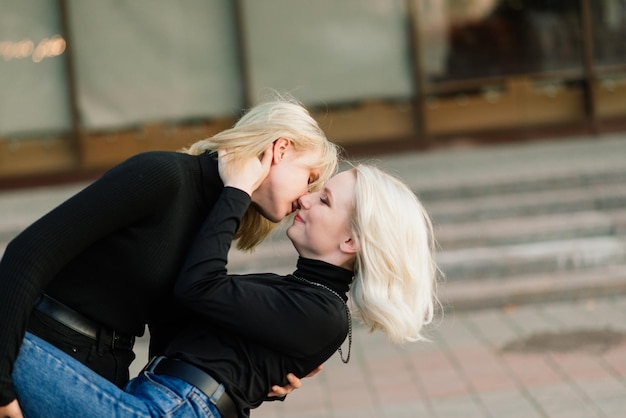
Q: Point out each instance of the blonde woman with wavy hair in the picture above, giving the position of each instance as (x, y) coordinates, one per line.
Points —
(256, 130)
(101, 266)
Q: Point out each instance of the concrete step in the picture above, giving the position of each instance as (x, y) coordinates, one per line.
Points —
(534, 288)
(597, 198)
(533, 258)
(522, 230)
(20, 208)
(521, 183)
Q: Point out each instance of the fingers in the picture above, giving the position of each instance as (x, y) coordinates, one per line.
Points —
(12, 410)
(266, 158)
(294, 381)
(268, 152)
(316, 371)
(279, 391)
(244, 173)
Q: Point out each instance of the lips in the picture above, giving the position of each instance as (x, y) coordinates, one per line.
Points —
(297, 218)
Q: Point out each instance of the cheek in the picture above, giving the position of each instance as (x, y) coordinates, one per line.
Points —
(284, 190)
(295, 185)
(287, 185)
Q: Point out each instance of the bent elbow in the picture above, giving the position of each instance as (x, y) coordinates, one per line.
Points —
(183, 291)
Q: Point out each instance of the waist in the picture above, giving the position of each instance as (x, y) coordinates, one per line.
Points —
(77, 322)
(182, 370)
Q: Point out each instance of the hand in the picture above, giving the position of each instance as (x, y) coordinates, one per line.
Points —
(244, 174)
(294, 383)
(12, 410)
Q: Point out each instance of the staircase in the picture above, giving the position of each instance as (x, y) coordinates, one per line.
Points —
(533, 238)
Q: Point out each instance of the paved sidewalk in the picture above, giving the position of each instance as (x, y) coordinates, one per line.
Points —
(466, 372)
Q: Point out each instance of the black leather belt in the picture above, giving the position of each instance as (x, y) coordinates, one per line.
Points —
(77, 322)
(197, 377)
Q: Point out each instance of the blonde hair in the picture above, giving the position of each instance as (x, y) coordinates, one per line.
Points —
(395, 275)
(250, 136)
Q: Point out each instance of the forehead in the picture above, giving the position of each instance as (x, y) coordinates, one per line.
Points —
(342, 186)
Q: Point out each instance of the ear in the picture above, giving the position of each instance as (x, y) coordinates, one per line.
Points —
(280, 147)
(349, 245)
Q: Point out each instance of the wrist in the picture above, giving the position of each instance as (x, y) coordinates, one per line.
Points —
(244, 188)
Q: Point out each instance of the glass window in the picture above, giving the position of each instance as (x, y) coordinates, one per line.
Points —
(329, 51)
(154, 60)
(609, 31)
(33, 86)
(464, 39)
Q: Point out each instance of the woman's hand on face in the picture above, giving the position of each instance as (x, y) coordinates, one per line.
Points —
(244, 174)
(11, 410)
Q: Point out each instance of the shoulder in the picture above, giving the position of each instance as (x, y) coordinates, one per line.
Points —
(162, 159)
(155, 165)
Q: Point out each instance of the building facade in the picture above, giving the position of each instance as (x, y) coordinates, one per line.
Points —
(84, 84)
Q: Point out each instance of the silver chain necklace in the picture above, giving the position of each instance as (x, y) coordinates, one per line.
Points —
(347, 359)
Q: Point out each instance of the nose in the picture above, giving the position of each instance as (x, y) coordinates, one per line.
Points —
(304, 201)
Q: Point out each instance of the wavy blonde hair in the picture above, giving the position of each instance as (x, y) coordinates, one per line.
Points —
(260, 126)
(395, 275)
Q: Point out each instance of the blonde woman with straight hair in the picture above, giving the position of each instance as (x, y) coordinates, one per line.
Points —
(394, 272)
(101, 266)
(363, 236)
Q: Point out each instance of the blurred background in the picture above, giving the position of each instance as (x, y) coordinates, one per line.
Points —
(531, 229)
(85, 84)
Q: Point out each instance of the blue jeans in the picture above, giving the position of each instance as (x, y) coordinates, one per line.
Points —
(49, 383)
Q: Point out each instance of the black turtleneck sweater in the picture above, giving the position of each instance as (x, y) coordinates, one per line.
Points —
(254, 329)
(112, 252)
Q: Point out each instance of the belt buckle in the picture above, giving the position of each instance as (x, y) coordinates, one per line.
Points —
(115, 337)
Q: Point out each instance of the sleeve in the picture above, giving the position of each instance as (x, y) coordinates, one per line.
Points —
(279, 314)
(32, 259)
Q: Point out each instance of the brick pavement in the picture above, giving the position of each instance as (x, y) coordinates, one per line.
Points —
(464, 372)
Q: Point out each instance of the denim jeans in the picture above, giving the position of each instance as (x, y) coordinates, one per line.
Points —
(49, 383)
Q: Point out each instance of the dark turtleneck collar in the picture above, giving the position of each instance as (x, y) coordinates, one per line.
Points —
(335, 277)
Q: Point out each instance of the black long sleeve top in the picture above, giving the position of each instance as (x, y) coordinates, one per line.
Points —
(112, 252)
(254, 329)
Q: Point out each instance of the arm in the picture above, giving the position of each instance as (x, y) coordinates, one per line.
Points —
(123, 195)
(229, 176)
(220, 298)
(293, 310)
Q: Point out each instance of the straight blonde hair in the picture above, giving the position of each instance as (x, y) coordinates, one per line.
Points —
(282, 117)
(395, 275)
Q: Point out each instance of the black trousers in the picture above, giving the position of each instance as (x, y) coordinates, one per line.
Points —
(112, 363)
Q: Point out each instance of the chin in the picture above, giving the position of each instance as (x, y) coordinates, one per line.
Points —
(272, 217)
(291, 238)
(276, 219)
